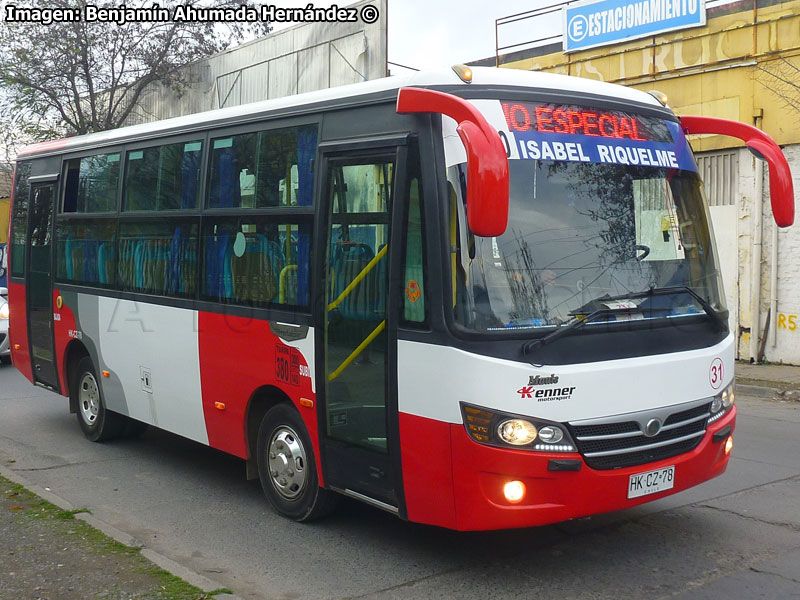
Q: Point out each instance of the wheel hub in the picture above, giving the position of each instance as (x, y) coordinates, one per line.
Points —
(287, 462)
(89, 398)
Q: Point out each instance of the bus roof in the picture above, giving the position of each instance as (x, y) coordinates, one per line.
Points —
(338, 96)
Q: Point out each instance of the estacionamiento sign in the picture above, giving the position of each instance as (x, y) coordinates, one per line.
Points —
(599, 22)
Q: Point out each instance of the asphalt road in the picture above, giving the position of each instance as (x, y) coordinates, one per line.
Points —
(734, 537)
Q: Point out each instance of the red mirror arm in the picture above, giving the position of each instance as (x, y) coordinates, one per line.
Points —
(487, 163)
(780, 177)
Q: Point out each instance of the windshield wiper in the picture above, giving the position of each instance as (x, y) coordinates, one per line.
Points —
(716, 316)
(564, 330)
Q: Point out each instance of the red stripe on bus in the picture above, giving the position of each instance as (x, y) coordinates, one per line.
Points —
(427, 470)
(44, 147)
(65, 329)
(18, 328)
(238, 357)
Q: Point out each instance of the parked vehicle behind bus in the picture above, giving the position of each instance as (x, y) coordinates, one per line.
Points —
(5, 350)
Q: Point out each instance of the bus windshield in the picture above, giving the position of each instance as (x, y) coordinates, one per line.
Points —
(588, 235)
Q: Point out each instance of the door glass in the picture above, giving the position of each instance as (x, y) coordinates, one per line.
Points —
(356, 278)
(39, 284)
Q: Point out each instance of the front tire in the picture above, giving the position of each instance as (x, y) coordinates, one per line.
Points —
(97, 423)
(287, 468)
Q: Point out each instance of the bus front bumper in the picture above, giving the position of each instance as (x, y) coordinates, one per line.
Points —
(481, 472)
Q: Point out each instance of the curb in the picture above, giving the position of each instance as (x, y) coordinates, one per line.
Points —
(174, 568)
(759, 391)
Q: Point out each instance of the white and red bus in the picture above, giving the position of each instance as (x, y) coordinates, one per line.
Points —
(475, 300)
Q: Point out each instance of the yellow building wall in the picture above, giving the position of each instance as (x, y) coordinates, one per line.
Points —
(717, 70)
(5, 204)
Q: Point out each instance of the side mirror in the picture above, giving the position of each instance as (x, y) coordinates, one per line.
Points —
(487, 162)
(781, 189)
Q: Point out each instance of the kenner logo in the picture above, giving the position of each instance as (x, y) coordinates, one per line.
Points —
(599, 22)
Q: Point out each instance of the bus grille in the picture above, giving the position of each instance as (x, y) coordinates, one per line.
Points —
(613, 445)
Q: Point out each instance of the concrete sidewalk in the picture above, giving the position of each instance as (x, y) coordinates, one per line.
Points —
(769, 380)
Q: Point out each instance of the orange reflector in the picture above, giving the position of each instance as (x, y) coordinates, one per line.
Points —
(514, 491)
(219, 405)
(729, 444)
(106, 374)
(306, 402)
(16, 346)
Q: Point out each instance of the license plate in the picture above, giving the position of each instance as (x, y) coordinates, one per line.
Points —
(651, 482)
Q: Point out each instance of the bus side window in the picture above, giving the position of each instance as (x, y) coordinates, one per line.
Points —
(414, 301)
(254, 261)
(263, 169)
(158, 258)
(91, 184)
(163, 177)
(19, 221)
(85, 251)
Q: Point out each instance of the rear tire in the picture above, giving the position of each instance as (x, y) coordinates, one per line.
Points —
(97, 423)
(287, 467)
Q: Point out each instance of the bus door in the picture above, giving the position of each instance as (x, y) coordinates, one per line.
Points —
(40, 286)
(357, 339)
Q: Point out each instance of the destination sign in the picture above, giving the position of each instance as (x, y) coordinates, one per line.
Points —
(563, 132)
(551, 118)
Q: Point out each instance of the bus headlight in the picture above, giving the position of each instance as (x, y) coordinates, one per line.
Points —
(517, 432)
(4, 311)
(728, 396)
(495, 428)
(721, 403)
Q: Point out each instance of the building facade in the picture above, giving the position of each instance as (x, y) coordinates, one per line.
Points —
(301, 58)
(742, 64)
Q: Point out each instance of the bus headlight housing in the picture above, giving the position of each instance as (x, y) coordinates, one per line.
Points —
(722, 403)
(495, 428)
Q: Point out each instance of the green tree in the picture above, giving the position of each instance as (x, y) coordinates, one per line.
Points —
(73, 78)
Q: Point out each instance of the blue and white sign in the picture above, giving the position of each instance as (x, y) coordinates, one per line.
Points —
(600, 22)
(533, 145)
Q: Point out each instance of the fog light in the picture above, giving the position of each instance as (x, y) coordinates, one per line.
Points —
(514, 491)
(729, 444)
(551, 434)
(516, 432)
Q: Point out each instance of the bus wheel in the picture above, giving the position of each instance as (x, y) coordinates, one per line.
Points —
(98, 423)
(287, 469)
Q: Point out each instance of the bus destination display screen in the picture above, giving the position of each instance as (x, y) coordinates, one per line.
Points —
(560, 132)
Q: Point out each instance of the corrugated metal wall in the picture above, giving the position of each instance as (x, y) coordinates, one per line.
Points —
(720, 174)
(302, 58)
